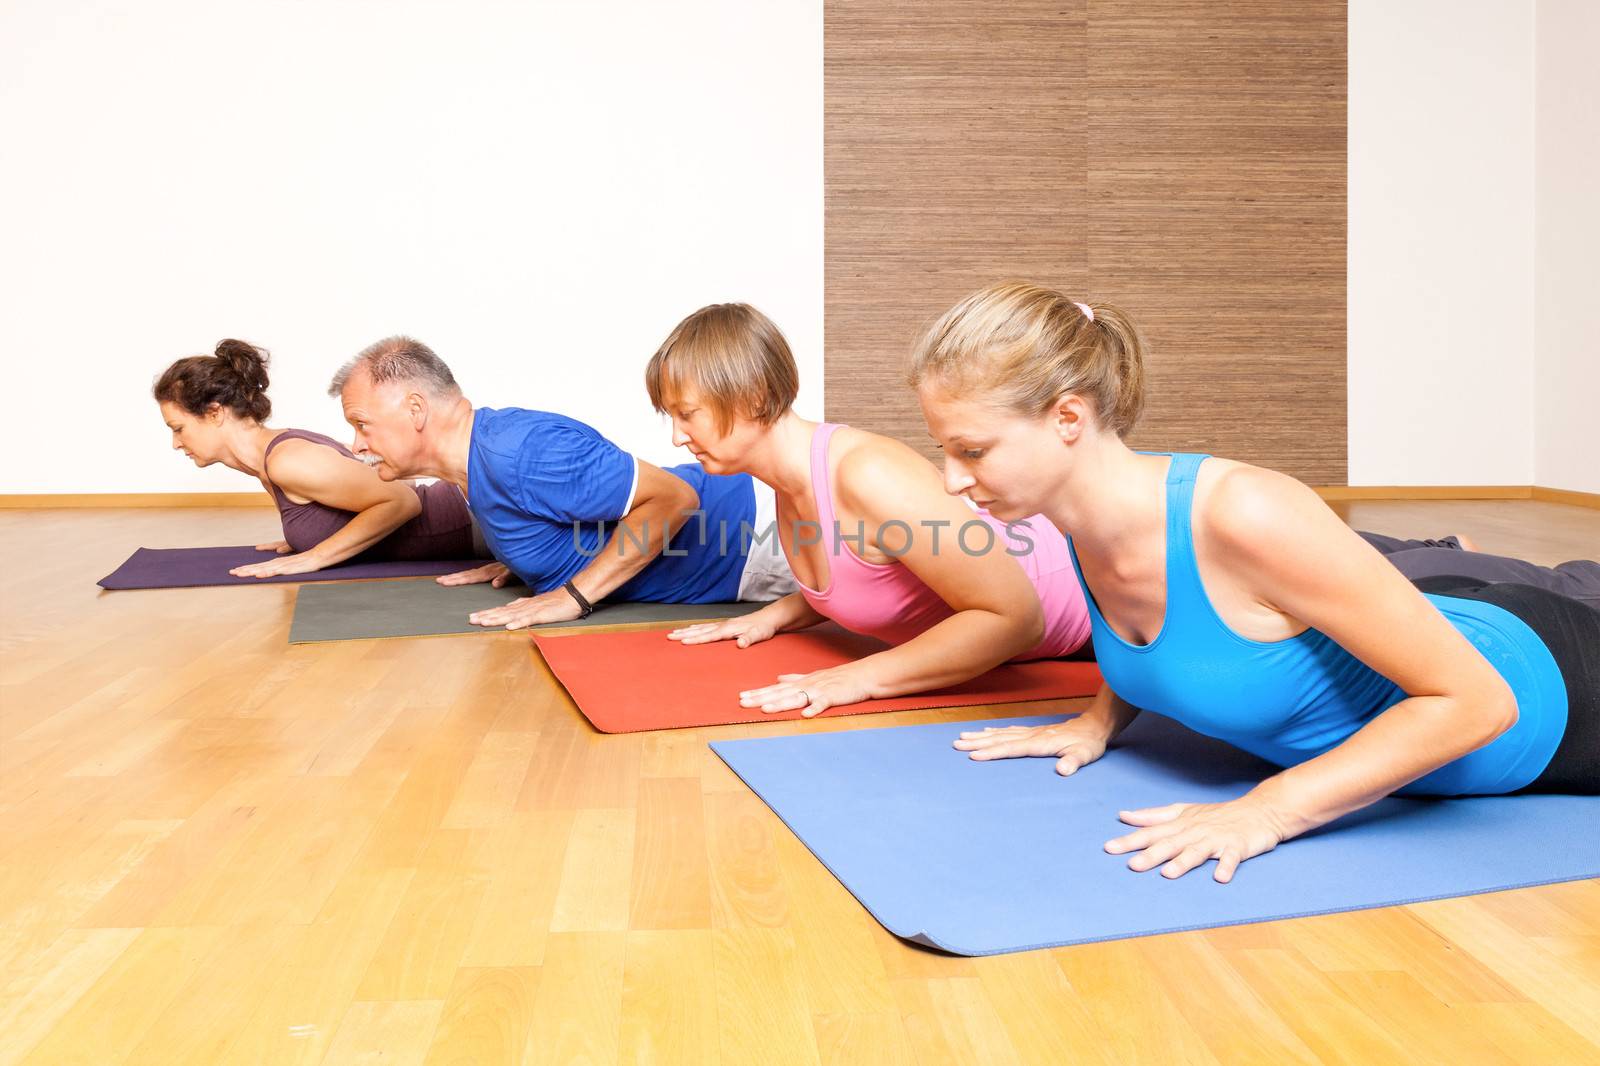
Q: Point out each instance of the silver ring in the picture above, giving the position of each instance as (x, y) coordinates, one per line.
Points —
(805, 696)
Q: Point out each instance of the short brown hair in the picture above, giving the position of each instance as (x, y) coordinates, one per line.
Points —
(1027, 345)
(234, 378)
(734, 357)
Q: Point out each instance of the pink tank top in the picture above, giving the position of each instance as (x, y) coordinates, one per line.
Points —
(889, 602)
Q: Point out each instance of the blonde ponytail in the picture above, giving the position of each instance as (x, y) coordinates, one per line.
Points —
(1027, 345)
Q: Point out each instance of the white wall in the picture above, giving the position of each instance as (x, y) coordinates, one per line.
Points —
(539, 190)
(1441, 252)
(1567, 249)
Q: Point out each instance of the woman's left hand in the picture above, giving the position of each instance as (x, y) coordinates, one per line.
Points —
(812, 693)
(303, 563)
(1186, 835)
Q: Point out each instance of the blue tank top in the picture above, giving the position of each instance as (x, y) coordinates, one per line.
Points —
(1291, 700)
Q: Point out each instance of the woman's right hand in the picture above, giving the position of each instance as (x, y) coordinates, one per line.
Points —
(1074, 743)
(745, 631)
(496, 574)
(281, 547)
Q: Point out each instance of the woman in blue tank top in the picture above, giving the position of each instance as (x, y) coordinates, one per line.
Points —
(1232, 599)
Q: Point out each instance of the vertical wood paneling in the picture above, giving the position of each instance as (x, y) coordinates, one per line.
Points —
(955, 154)
(1217, 178)
(1185, 160)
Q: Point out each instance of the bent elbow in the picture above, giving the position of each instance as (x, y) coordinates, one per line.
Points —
(1035, 625)
(411, 504)
(1026, 625)
(1499, 710)
(673, 496)
(688, 499)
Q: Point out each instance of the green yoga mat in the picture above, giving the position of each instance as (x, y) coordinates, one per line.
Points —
(364, 610)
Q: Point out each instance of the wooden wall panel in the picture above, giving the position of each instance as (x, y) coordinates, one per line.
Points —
(1186, 160)
(955, 155)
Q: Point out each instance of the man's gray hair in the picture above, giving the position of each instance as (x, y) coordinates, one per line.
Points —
(400, 359)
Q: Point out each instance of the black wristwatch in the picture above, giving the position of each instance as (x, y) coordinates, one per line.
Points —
(583, 604)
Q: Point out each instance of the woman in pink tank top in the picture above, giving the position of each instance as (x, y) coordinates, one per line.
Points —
(332, 506)
(875, 542)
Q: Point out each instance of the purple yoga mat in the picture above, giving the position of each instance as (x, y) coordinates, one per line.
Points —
(172, 568)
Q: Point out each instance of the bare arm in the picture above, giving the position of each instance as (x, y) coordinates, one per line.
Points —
(661, 506)
(1335, 583)
(996, 608)
(792, 612)
(783, 615)
(1073, 744)
(322, 475)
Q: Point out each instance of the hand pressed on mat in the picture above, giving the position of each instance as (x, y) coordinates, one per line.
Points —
(1074, 743)
(745, 631)
(496, 574)
(1186, 835)
(812, 693)
(303, 563)
(557, 605)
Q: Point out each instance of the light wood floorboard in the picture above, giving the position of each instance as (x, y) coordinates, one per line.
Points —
(219, 848)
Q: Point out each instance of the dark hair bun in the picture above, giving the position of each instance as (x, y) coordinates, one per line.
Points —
(235, 378)
(245, 360)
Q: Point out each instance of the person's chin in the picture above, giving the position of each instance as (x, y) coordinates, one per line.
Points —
(1004, 511)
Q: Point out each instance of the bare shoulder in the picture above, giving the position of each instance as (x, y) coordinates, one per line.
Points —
(305, 468)
(871, 469)
(298, 458)
(1252, 509)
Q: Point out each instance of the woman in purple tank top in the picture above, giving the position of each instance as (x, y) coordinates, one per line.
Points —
(333, 507)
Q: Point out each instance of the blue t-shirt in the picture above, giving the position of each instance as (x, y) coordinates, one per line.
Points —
(547, 492)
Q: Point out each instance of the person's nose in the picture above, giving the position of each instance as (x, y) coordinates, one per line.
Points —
(679, 436)
(956, 478)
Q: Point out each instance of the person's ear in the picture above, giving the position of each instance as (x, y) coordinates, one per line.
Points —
(417, 408)
(214, 414)
(1069, 417)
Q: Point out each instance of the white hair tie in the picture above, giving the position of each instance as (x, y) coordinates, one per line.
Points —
(1088, 312)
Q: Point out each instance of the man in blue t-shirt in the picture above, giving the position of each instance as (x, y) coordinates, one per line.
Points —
(576, 518)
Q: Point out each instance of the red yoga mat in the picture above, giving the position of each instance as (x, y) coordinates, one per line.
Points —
(628, 682)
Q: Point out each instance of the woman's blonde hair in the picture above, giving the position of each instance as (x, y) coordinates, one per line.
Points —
(1026, 345)
(733, 358)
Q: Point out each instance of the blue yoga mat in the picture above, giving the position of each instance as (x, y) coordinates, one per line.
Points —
(983, 858)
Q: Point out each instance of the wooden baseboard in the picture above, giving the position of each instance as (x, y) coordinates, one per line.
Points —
(1460, 492)
(43, 500)
(1425, 492)
(1570, 497)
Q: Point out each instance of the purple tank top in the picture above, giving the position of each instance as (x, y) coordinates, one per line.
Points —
(442, 531)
